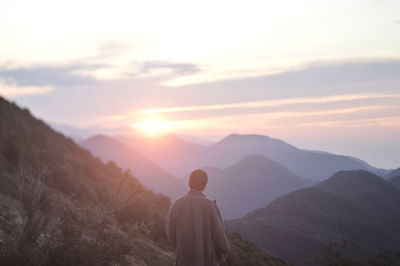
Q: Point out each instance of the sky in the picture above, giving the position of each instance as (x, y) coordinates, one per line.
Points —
(321, 75)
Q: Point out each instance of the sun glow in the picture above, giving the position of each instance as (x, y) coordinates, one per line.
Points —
(153, 127)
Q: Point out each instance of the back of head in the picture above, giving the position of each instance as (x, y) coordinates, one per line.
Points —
(198, 180)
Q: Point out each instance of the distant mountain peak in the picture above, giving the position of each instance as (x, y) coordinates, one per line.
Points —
(351, 182)
(354, 177)
(254, 140)
(100, 139)
(236, 136)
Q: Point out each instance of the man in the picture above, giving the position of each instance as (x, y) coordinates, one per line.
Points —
(195, 228)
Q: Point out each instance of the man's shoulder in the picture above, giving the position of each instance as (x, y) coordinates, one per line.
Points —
(189, 197)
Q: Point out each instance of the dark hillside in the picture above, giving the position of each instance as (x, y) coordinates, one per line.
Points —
(368, 191)
(299, 226)
(395, 181)
(393, 173)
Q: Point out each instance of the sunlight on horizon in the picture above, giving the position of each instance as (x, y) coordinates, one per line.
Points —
(153, 127)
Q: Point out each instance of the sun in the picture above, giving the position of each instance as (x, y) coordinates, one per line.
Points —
(153, 127)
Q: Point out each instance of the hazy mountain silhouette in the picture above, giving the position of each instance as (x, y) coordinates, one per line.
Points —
(378, 171)
(299, 225)
(315, 165)
(151, 175)
(395, 181)
(79, 134)
(259, 179)
(249, 184)
(173, 154)
(180, 157)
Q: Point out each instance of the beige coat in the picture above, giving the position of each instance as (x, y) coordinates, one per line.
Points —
(195, 228)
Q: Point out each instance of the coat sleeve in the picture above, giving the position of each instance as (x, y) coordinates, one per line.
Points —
(218, 230)
(171, 225)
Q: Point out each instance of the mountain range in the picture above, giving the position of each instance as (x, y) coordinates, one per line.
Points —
(309, 164)
(354, 206)
(260, 179)
(180, 157)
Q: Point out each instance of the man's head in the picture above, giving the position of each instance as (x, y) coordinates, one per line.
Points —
(198, 180)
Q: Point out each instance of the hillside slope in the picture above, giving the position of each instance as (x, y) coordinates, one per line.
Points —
(368, 191)
(393, 173)
(395, 181)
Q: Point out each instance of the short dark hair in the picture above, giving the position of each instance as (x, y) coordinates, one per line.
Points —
(198, 180)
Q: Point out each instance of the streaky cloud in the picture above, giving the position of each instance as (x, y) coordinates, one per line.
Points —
(176, 68)
(392, 121)
(271, 103)
(48, 75)
(11, 90)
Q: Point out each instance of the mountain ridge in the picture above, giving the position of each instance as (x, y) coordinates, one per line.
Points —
(303, 162)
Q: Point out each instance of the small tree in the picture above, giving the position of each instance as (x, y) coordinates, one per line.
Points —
(30, 242)
(35, 207)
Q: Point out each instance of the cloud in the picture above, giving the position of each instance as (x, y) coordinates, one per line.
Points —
(324, 85)
(271, 103)
(48, 75)
(168, 67)
(11, 90)
(275, 116)
(392, 121)
(316, 79)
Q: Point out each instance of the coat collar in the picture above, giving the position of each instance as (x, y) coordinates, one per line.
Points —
(196, 192)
